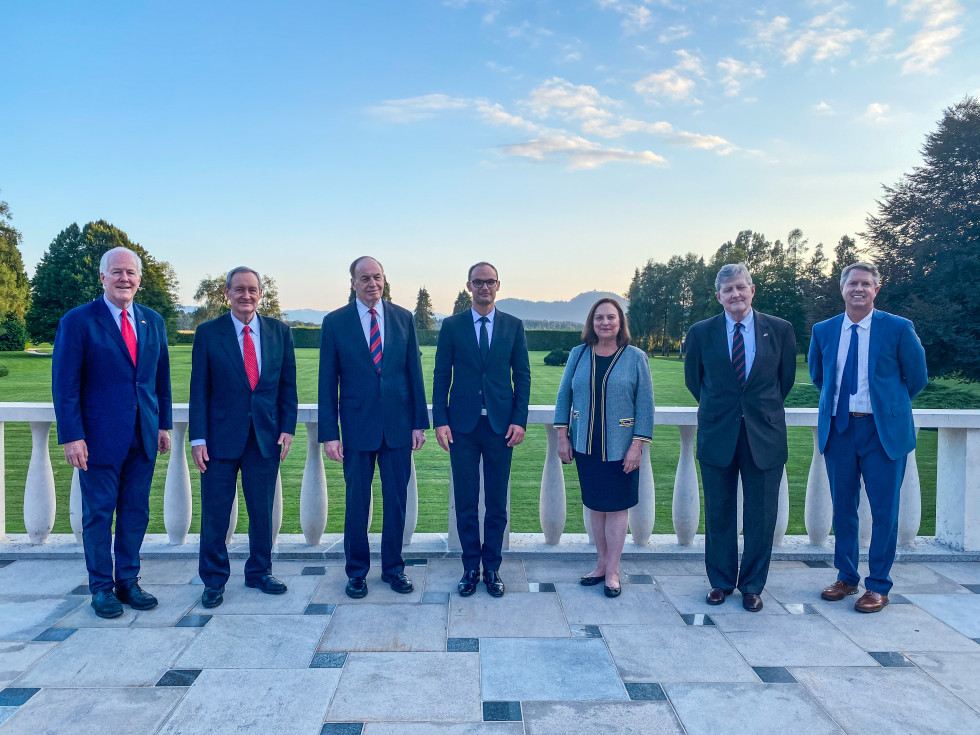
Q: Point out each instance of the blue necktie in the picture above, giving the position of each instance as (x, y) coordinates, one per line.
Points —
(738, 354)
(375, 340)
(848, 383)
(484, 340)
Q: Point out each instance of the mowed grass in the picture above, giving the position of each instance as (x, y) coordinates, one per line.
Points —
(30, 380)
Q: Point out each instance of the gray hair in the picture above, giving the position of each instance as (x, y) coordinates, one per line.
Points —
(107, 256)
(353, 266)
(241, 269)
(730, 271)
(867, 267)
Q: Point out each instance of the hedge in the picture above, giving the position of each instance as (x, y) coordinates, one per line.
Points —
(550, 339)
(306, 336)
(185, 337)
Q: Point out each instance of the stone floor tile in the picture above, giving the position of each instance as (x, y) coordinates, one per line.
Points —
(957, 672)
(174, 602)
(116, 711)
(558, 570)
(960, 612)
(23, 617)
(511, 616)
(896, 628)
(16, 658)
(43, 577)
(420, 687)
(600, 718)
(331, 587)
(760, 709)
(167, 571)
(905, 701)
(444, 728)
(686, 593)
(918, 578)
(378, 628)
(443, 576)
(961, 572)
(642, 603)
(548, 669)
(254, 641)
(685, 653)
(7, 712)
(806, 640)
(242, 600)
(280, 567)
(110, 658)
(223, 702)
(795, 586)
(663, 567)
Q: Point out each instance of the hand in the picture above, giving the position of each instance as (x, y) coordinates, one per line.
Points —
(334, 450)
(514, 435)
(76, 454)
(418, 439)
(632, 459)
(163, 441)
(565, 452)
(285, 441)
(199, 453)
(444, 436)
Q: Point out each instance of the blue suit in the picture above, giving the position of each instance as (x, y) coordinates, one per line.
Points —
(377, 414)
(118, 409)
(873, 447)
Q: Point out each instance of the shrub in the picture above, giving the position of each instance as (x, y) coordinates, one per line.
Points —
(13, 335)
(557, 356)
(428, 337)
(4, 370)
(185, 337)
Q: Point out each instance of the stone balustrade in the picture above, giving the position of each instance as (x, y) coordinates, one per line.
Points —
(957, 483)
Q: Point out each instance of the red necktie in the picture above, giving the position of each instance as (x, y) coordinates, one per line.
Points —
(129, 336)
(251, 363)
(375, 342)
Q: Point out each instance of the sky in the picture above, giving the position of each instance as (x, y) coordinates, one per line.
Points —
(565, 141)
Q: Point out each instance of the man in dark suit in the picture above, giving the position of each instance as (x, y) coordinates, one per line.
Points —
(111, 385)
(242, 419)
(480, 391)
(740, 366)
(868, 366)
(371, 379)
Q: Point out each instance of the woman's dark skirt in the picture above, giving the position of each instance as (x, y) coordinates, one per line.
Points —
(605, 487)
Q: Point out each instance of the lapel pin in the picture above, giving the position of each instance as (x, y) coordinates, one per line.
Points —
(142, 321)
(765, 334)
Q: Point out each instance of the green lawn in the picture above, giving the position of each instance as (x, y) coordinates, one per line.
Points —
(29, 380)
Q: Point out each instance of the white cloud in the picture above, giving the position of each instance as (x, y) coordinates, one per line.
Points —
(674, 33)
(576, 152)
(734, 71)
(823, 108)
(824, 36)
(676, 83)
(934, 41)
(495, 114)
(567, 100)
(876, 113)
(937, 12)
(412, 109)
(637, 20)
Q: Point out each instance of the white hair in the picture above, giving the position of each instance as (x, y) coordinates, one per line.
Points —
(107, 256)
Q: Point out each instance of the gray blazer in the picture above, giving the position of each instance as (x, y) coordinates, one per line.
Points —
(626, 401)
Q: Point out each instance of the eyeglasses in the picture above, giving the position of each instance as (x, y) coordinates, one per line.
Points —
(479, 283)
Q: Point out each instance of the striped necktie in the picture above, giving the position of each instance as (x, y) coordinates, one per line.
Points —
(738, 354)
(375, 340)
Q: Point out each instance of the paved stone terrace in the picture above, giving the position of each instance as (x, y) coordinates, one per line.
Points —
(549, 657)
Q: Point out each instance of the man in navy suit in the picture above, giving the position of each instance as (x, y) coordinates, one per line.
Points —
(868, 366)
(110, 380)
(371, 379)
(242, 419)
(480, 391)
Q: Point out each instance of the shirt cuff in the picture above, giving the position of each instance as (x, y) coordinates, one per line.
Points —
(198, 442)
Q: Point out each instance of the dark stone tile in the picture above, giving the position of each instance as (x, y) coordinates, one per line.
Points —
(891, 659)
(502, 712)
(5, 562)
(774, 674)
(800, 608)
(179, 678)
(585, 631)
(81, 589)
(193, 621)
(974, 588)
(647, 692)
(314, 571)
(55, 634)
(817, 564)
(976, 640)
(15, 696)
(328, 660)
(898, 600)
(416, 562)
(435, 597)
(639, 579)
(319, 608)
(697, 619)
(541, 586)
(342, 728)
(463, 645)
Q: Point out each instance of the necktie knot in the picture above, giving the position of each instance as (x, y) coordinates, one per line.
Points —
(246, 329)
(483, 320)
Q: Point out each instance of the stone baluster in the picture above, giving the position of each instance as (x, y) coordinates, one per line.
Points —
(313, 491)
(39, 498)
(453, 543)
(958, 489)
(411, 505)
(232, 518)
(177, 500)
(277, 509)
(587, 517)
(864, 516)
(75, 505)
(782, 511)
(551, 506)
(818, 512)
(686, 505)
(910, 503)
(739, 505)
(643, 515)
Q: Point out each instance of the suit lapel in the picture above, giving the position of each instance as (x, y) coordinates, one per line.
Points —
(833, 343)
(229, 342)
(499, 335)
(390, 328)
(874, 341)
(719, 338)
(107, 322)
(361, 348)
(142, 333)
(763, 343)
(266, 337)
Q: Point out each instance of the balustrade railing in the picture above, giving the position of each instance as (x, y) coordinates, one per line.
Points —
(957, 483)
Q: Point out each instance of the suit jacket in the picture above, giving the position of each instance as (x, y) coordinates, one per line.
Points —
(723, 406)
(371, 408)
(223, 405)
(462, 382)
(97, 390)
(896, 373)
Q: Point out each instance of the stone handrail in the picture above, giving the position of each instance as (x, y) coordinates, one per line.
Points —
(957, 483)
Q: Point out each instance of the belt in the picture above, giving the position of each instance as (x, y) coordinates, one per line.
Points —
(857, 415)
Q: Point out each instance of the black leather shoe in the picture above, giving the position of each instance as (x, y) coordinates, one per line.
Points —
(495, 585)
(752, 602)
(468, 582)
(268, 584)
(612, 591)
(136, 597)
(213, 596)
(398, 582)
(356, 588)
(716, 596)
(106, 604)
(588, 581)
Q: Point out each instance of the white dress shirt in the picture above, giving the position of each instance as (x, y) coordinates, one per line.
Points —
(860, 402)
(362, 312)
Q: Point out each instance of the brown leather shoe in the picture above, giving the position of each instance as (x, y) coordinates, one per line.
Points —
(838, 591)
(752, 602)
(871, 602)
(716, 596)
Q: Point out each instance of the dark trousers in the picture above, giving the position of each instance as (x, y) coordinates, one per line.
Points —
(464, 458)
(217, 496)
(395, 465)
(849, 456)
(760, 491)
(122, 489)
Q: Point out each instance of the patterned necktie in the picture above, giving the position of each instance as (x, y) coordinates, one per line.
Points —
(251, 363)
(738, 354)
(129, 336)
(375, 340)
(848, 383)
(484, 339)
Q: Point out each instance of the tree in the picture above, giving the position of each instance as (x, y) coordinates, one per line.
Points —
(463, 301)
(15, 288)
(925, 240)
(423, 310)
(210, 295)
(67, 276)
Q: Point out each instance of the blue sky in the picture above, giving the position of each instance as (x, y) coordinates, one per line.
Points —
(566, 141)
